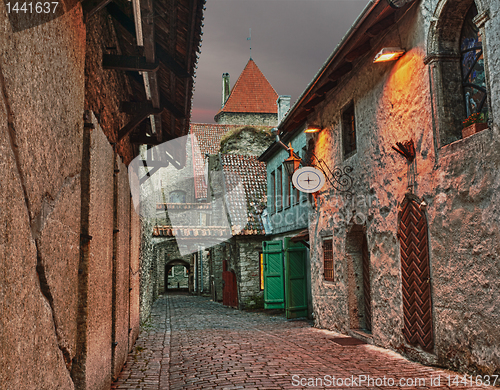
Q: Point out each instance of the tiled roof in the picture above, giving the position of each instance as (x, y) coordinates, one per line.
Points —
(251, 173)
(252, 93)
(209, 135)
(208, 138)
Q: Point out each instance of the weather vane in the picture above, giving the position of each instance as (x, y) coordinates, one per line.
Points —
(250, 39)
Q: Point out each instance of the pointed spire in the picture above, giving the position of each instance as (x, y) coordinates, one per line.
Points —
(252, 93)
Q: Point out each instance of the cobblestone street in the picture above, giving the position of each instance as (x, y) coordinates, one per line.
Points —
(193, 343)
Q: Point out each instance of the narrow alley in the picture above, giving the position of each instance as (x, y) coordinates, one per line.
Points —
(191, 342)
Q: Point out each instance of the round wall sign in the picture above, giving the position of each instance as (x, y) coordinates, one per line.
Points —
(308, 179)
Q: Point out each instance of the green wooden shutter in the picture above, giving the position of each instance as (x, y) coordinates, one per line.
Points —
(273, 275)
(295, 279)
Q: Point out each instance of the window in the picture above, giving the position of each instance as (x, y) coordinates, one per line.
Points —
(178, 197)
(328, 259)
(349, 131)
(472, 64)
(171, 272)
(272, 192)
(279, 188)
(185, 272)
(457, 68)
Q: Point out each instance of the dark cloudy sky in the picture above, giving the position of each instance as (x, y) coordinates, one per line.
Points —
(291, 39)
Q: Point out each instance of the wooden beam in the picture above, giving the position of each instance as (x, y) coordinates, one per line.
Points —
(340, 71)
(143, 179)
(134, 63)
(329, 85)
(90, 7)
(116, 12)
(136, 120)
(170, 62)
(313, 101)
(358, 51)
(379, 27)
(167, 105)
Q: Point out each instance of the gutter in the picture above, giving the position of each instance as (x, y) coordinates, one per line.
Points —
(357, 23)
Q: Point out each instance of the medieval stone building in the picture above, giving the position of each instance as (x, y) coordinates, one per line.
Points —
(408, 258)
(224, 187)
(72, 110)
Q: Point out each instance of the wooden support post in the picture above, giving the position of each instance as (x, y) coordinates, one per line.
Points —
(136, 120)
(134, 63)
(90, 7)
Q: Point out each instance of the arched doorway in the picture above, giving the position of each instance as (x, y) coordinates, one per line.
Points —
(177, 275)
(358, 279)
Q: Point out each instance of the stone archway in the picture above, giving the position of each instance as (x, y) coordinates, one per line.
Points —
(177, 262)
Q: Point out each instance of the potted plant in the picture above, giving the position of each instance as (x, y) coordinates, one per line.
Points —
(474, 124)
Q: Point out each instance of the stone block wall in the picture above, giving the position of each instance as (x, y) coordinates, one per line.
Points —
(59, 301)
(459, 181)
(247, 270)
(246, 119)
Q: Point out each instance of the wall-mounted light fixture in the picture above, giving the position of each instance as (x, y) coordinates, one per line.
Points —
(389, 54)
(339, 178)
(292, 163)
(313, 129)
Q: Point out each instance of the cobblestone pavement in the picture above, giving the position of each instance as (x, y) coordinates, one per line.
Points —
(193, 343)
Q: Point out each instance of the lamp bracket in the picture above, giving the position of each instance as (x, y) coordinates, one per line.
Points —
(338, 178)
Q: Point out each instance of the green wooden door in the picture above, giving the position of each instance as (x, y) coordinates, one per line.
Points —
(295, 279)
(274, 297)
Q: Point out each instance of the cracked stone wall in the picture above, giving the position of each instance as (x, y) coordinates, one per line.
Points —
(459, 181)
(61, 304)
(41, 106)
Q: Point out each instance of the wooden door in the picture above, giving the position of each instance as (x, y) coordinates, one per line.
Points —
(295, 279)
(274, 291)
(415, 274)
(230, 289)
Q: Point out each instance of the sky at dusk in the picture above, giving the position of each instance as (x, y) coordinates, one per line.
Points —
(291, 39)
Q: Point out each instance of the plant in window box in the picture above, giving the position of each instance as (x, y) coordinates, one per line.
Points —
(474, 124)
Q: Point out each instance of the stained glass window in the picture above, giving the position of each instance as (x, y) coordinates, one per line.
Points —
(472, 63)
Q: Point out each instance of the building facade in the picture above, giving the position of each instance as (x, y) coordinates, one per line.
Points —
(408, 258)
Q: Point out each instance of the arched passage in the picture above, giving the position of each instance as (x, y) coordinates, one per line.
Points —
(178, 279)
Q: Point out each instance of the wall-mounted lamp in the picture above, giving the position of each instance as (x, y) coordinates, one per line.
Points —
(313, 129)
(292, 163)
(389, 54)
(339, 178)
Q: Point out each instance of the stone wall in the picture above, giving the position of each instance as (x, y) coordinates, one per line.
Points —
(62, 305)
(246, 119)
(459, 182)
(41, 84)
(244, 260)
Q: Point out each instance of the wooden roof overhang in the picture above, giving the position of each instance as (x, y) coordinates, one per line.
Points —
(374, 22)
(171, 31)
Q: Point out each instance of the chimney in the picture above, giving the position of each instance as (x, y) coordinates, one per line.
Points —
(225, 88)
(283, 103)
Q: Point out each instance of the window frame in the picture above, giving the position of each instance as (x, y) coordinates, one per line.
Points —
(272, 193)
(330, 260)
(349, 130)
(279, 188)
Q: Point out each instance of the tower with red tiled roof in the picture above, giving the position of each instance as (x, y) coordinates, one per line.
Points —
(251, 102)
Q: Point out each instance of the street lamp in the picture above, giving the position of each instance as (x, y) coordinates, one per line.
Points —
(292, 163)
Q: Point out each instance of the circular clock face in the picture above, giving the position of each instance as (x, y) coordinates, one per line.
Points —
(308, 179)
(398, 3)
